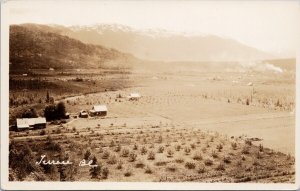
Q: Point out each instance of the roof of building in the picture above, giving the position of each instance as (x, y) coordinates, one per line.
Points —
(134, 95)
(97, 108)
(27, 122)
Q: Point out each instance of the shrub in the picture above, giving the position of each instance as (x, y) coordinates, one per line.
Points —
(190, 165)
(148, 170)
(248, 142)
(29, 113)
(187, 150)
(239, 163)
(245, 150)
(43, 132)
(227, 159)
(255, 163)
(151, 155)
(58, 131)
(247, 101)
(177, 147)
(243, 158)
(128, 172)
(105, 154)
(214, 154)
(179, 160)
(20, 159)
(112, 143)
(143, 150)
(160, 163)
(171, 167)
(105, 172)
(197, 156)
(193, 146)
(168, 144)
(145, 140)
(112, 159)
(234, 145)
(170, 153)
(220, 167)
(52, 146)
(118, 148)
(219, 147)
(160, 139)
(258, 155)
(119, 164)
(201, 169)
(140, 164)
(208, 162)
(132, 157)
(161, 149)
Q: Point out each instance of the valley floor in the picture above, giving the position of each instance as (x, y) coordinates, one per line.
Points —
(174, 132)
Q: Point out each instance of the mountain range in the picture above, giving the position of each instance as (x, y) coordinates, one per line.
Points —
(159, 45)
(117, 46)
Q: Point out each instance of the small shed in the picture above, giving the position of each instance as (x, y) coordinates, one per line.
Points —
(134, 96)
(31, 123)
(83, 114)
(67, 115)
(98, 110)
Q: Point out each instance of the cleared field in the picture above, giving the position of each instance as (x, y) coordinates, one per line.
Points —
(173, 100)
(204, 127)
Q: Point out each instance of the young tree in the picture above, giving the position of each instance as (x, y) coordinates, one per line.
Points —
(87, 155)
(62, 172)
(95, 171)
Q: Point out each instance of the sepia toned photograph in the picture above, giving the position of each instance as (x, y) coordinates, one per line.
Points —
(150, 91)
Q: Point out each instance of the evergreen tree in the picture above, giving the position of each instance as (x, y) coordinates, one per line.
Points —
(47, 97)
(60, 110)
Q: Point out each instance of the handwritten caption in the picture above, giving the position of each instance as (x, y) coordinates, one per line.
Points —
(83, 162)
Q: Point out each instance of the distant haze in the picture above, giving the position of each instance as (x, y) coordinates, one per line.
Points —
(270, 26)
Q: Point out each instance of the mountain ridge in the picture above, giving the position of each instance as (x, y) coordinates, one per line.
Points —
(41, 46)
(162, 45)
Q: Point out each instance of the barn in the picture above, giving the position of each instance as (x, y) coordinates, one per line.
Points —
(31, 123)
(98, 110)
(134, 96)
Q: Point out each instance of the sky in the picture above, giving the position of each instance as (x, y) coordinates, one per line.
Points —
(272, 26)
